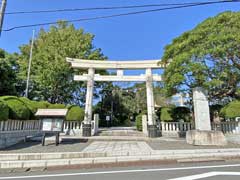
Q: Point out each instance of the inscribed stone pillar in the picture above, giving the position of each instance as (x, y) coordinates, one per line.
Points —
(203, 135)
(201, 109)
(88, 104)
(152, 129)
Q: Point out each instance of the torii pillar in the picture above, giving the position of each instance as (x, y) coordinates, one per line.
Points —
(86, 126)
(152, 128)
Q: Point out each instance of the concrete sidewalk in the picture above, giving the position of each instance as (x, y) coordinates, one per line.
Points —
(79, 152)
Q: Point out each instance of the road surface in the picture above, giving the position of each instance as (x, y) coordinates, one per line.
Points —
(187, 171)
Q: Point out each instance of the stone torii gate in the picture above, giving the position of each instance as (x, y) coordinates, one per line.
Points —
(120, 66)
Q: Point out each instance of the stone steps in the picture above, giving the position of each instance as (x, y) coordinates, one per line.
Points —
(46, 160)
(119, 132)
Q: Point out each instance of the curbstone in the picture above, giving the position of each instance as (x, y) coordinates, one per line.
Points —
(105, 160)
(57, 162)
(11, 165)
(81, 161)
(30, 164)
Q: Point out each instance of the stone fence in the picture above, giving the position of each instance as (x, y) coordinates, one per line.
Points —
(14, 131)
(20, 125)
(75, 127)
(176, 129)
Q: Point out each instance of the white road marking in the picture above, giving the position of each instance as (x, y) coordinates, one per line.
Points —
(119, 172)
(209, 174)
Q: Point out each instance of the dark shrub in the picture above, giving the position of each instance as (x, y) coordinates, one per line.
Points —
(181, 113)
(4, 111)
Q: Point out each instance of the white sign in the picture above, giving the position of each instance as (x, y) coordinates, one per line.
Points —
(47, 125)
(52, 125)
(107, 118)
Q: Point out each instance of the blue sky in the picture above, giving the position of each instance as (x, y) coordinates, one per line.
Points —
(135, 37)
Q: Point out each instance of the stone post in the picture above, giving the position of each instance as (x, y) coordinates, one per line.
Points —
(144, 125)
(203, 135)
(96, 122)
(88, 104)
(152, 128)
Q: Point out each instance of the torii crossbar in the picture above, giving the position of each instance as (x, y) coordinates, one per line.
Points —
(120, 66)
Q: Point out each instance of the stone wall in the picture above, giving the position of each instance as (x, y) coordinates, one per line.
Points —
(9, 138)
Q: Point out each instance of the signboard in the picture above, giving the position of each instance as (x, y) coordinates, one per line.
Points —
(107, 118)
(52, 125)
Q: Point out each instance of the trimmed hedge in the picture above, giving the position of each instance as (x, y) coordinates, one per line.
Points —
(166, 114)
(56, 106)
(18, 109)
(33, 106)
(231, 110)
(75, 113)
(4, 111)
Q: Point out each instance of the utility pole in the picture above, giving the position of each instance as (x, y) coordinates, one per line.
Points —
(29, 65)
(2, 12)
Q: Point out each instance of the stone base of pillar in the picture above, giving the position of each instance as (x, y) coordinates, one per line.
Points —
(86, 130)
(152, 131)
(206, 138)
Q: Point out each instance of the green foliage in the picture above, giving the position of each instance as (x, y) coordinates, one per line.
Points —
(166, 114)
(75, 113)
(139, 122)
(207, 56)
(8, 70)
(4, 111)
(43, 104)
(56, 106)
(51, 75)
(18, 110)
(231, 110)
(33, 106)
(124, 103)
(181, 113)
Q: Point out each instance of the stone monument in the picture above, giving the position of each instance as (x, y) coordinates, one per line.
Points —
(203, 135)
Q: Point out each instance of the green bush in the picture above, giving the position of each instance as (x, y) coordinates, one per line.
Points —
(4, 111)
(75, 113)
(231, 110)
(43, 104)
(18, 110)
(56, 106)
(139, 122)
(166, 114)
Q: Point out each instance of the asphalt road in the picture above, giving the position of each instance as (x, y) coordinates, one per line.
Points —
(187, 171)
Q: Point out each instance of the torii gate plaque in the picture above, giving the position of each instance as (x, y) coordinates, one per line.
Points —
(120, 66)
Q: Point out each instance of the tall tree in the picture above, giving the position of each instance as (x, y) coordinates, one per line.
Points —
(51, 75)
(8, 73)
(208, 56)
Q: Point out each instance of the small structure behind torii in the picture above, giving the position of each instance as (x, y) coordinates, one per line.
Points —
(120, 66)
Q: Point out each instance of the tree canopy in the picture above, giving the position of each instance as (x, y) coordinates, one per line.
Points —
(8, 70)
(206, 56)
(51, 75)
